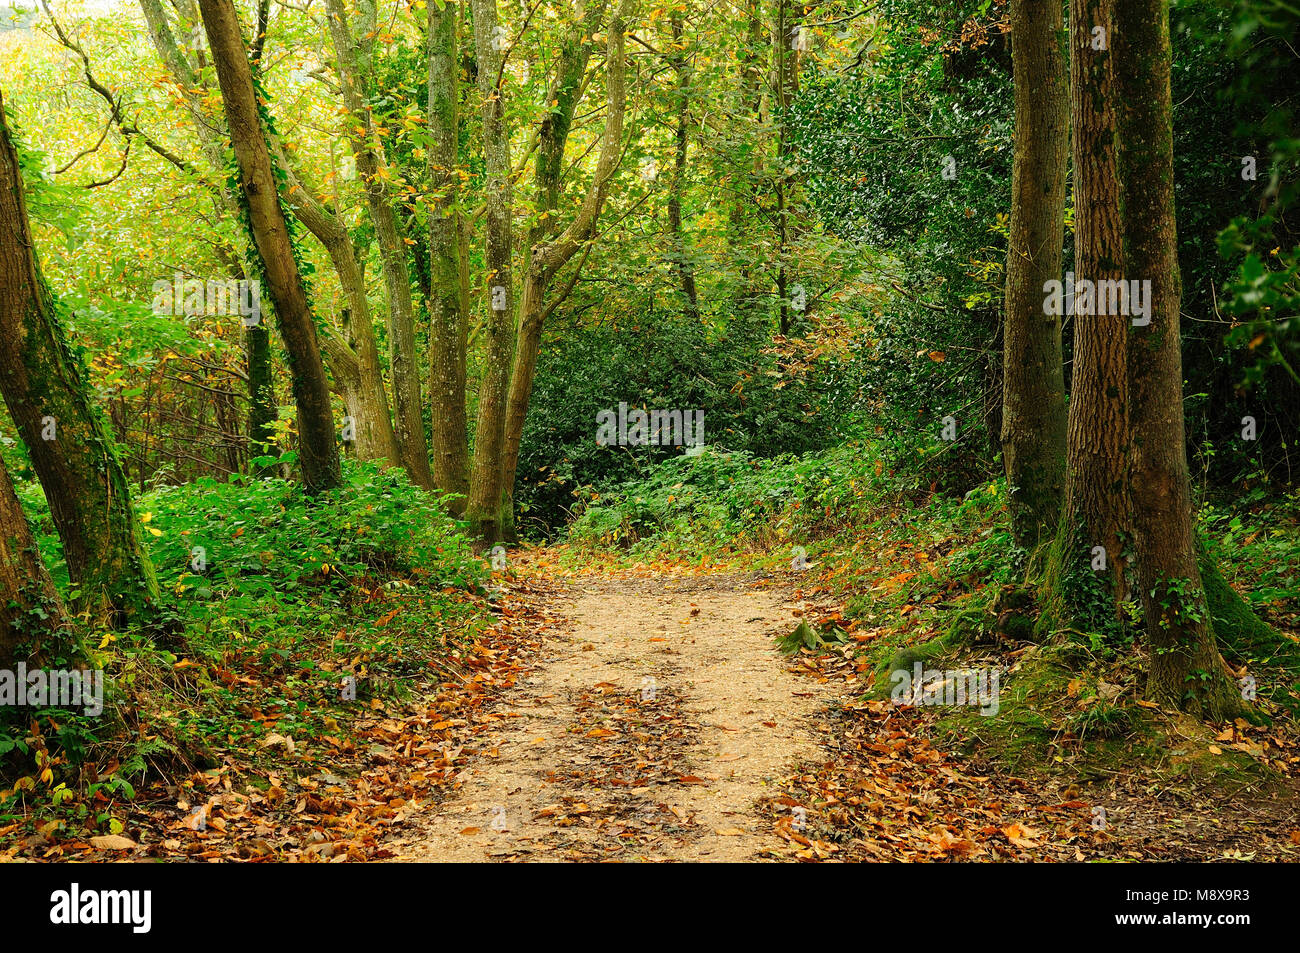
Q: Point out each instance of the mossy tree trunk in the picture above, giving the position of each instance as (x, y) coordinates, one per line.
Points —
(350, 56)
(1187, 671)
(681, 260)
(318, 452)
(46, 390)
(356, 364)
(1033, 383)
(448, 319)
(547, 258)
(485, 504)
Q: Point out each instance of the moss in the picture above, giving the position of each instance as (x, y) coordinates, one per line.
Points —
(969, 625)
(1021, 731)
(907, 656)
(1242, 635)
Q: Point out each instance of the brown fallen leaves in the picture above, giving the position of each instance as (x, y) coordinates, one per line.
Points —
(887, 793)
(336, 797)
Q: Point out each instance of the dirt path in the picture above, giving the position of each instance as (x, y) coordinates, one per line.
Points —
(647, 731)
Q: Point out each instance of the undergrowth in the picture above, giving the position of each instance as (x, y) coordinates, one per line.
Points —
(293, 610)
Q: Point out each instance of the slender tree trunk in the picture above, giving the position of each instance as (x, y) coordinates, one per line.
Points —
(787, 55)
(485, 504)
(751, 108)
(448, 320)
(369, 410)
(564, 93)
(548, 259)
(682, 263)
(1033, 383)
(318, 452)
(31, 613)
(1186, 669)
(71, 450)
(262, 411)
(409, 420)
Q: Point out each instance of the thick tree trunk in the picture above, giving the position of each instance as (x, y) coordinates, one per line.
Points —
(1085, 581)
(448, 320)
(485, 493)
(1186, 669)
(1033, 383)
(72, 453)
(318, 453)
(409, 419)
(31, 612)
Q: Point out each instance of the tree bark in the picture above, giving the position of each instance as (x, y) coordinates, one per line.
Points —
(318, 453)
(681, 263)
(1187, 671)
(448, 320)
(546, 260)
(369, 409)
(1033, 382)
(409, 421)
(1095, 511)
(48, 396)
(484, 509)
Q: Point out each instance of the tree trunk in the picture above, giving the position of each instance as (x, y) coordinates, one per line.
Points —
(31, 612)
(1186, 669)
(369, 410)
(485, 493)
(1085, 582)
(448, 320)
(318, 452)
(788, 60)
(71, 450)
(750, 107)
(549, 258)
(1033, 383)
(409, 420)
(681, 263)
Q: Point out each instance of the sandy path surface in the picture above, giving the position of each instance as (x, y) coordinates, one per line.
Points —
(646, 731)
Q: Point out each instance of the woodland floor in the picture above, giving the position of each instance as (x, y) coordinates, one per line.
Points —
(657, 722)
(644, 714)
(649, 726)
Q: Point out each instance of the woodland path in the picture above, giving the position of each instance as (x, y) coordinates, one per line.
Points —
(649, 726)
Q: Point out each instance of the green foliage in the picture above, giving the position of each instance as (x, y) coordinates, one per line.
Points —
(369, 581)
(1256, 543)
(264, 539)
(666, 361)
